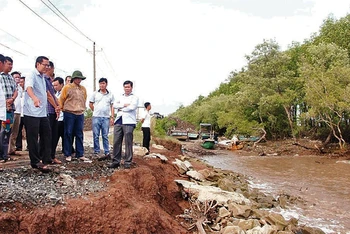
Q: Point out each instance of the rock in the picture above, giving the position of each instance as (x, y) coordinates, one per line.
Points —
(310, 230)
(160, 147)
(248, 224)
(277, 220)
(68, 180)
(188, 164)
(239, 210)
(139, 150)
(227, 184)
(223, 212)
(162, 157)
(210, 193)
(344, 161)
(180, 166)
(232, 230)
(216, 227)
(195, 175)
(266, 229)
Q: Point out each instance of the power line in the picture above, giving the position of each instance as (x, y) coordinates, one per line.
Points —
(64, 19)
(51, 25)
(108, 63)
(67, 21)
(17, 38)
(13, 50)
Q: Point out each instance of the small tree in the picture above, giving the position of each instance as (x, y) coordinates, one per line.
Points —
(326, 72)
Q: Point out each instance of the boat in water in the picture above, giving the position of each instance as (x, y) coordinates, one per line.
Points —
(208, 143)
(179, 134)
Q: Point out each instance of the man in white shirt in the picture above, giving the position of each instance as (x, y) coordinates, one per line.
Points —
(101, 103)
(146, 126)
(124, 126)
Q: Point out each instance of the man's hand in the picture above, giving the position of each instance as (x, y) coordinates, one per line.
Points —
(58, 111)
(36, 102)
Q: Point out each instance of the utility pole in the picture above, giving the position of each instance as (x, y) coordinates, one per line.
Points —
(94, 64)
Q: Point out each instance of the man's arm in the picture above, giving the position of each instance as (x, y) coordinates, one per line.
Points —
(132, 105)
(11, 100)
(91, 105)
(33, 97)
(51, 99)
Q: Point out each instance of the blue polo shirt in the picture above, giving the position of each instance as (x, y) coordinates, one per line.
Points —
(38, 84)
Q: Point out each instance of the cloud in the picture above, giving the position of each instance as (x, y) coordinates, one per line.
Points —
(174, 51)
(265, 9)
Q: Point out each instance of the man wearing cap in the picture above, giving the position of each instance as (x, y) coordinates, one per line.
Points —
(73, 104)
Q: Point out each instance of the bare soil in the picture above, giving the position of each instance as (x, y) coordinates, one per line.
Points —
(144, 199)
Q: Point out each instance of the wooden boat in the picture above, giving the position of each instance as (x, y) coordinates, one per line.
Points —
(248, 138)
(208, 144)
(193, 135)
(179, 134)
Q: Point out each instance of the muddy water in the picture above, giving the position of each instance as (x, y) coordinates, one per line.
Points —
(322, 182)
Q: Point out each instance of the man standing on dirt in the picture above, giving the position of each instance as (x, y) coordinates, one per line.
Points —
(146, 126)
(73, 103)
(8, 85)
(58, 84)
(53, 109)
(101, 103)
(2, 95)
(124, 126)
(2, 104)
(35, 116)
(17, 114)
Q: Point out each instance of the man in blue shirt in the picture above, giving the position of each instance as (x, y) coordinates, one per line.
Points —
(35, 116)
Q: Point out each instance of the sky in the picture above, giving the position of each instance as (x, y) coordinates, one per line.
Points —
(173, 51)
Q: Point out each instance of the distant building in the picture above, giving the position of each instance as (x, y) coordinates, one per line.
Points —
(157, 115)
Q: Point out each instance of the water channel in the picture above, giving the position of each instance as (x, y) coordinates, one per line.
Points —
(322, 182)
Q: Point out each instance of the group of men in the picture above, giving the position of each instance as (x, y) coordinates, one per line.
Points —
(53, 110)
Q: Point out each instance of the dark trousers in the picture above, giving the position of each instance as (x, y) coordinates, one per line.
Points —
(123, 131)
(4, 142)
(60, 134)
(19, 144)
(5, 133)
(35, 127)
(54, 128)
(146, 137)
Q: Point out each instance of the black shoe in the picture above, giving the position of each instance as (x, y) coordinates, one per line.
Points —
(114, 165)
(127, 166)
(104, 157)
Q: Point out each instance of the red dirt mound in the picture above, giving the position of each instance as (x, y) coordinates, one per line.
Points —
(144, 199)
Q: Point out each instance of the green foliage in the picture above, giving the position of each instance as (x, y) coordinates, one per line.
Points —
(298, 92)
(326, 71)
(335, 31)
(88, 113)
(162, 126)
